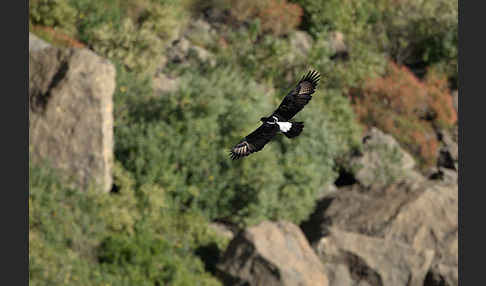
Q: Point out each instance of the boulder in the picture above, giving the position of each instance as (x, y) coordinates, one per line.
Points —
(430, 222)
(382, 161)
(71, 113)
(356, 210)
(271, 254)
(301, 42)
(222, 230)
(183, 49)
(337, 44)
(420, 214)
(375, 261)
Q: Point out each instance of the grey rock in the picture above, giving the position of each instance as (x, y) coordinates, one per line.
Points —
(204, 55)
(374, 261)
(382, 161)
(222, 230)
(182, 49)
(271, 254)
(301, 42)
(71, 114)
(430, 222)
(423, 215)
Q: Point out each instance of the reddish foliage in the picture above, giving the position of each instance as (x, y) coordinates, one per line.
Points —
(58, 37)
(402, 105)
(276, 16)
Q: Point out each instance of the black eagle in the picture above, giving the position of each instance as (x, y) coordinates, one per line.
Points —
(280, 118)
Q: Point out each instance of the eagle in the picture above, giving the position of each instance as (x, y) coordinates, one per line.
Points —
(279, 121)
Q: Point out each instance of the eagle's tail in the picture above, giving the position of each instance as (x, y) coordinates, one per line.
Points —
(294, 130)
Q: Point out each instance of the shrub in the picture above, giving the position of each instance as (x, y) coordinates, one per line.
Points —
(56, 37)
(124, 238)
(415, 33)
(53, 13)
(138, 49)
(181, 142)
(407, 108)
(277, 17)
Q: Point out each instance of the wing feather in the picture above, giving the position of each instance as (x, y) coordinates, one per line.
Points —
(298, 97)
(254, 141)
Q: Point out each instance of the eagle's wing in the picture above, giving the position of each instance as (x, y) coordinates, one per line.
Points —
(298, 97)
(254, 141)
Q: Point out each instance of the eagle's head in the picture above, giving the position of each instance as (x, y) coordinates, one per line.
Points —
(271, 119)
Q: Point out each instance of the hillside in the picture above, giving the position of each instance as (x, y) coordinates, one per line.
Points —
(134, 105)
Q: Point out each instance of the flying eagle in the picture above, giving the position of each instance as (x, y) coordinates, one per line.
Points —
(280, 118)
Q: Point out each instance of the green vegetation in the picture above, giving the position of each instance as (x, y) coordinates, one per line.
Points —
(181, 141)
(173, 175)
(128, 238)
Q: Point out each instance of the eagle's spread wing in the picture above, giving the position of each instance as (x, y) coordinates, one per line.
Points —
(298, 97)
(255, 141)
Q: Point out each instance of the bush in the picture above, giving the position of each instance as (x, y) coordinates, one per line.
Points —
(407, 108)
(133, 32)
(139, 42)
(53, 13)
(277, 17)
(415, 33)
(181, 142)
(126, 238)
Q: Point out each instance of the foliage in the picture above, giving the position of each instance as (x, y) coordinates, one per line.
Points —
(53, 13)
(173, 174)
(416, 33)
(138, 49)
(180, 141)
(407, 108)
(78, 238)
(277, 17)
(132, 32)
(55, 37)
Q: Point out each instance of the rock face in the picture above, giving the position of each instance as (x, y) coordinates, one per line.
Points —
(271, 254)
(71, 113)
(421, 216)
(390, 225)
(372, 260)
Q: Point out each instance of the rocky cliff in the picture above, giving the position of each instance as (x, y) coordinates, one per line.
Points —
(71, 112)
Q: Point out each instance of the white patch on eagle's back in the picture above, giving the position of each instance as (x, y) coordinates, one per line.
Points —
(284, 126)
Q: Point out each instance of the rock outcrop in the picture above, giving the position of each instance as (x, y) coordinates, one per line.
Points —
(390, 225)
(422, 216)
(271, 254)
(352, 259)
(382, 161)
(71, 112)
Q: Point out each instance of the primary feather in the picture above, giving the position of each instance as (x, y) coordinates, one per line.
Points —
(298, 97)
